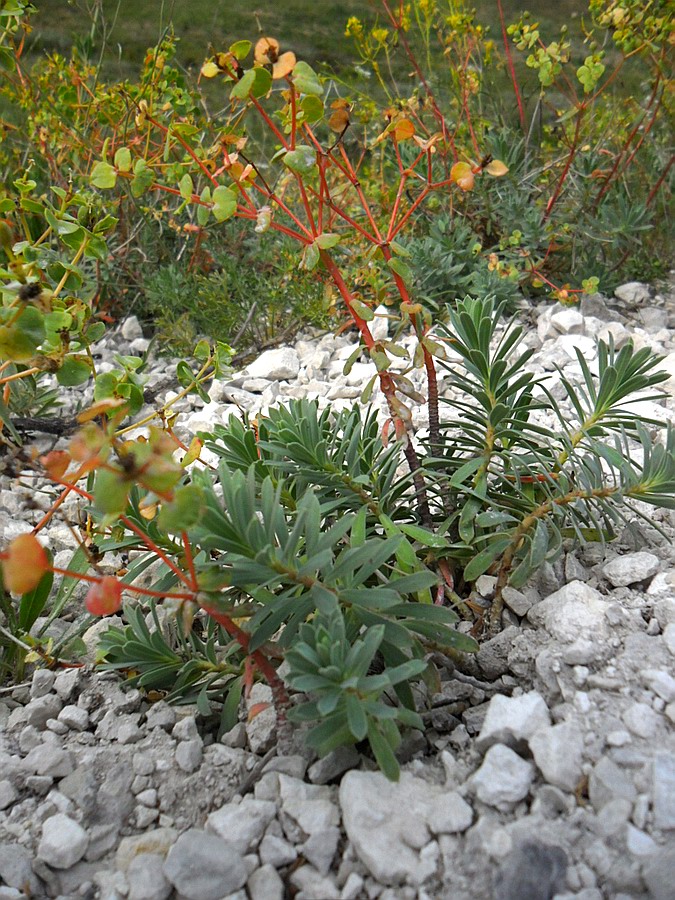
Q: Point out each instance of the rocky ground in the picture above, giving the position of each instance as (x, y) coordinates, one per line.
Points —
(548, 771)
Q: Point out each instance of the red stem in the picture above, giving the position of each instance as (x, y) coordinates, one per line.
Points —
(561, 181)
(267, 670)
(509, 63)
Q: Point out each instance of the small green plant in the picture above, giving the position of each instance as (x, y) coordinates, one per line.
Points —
(345, 545)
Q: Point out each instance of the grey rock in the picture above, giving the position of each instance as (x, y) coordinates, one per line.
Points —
(607, 782)
(161, 715)
(516, 601)
(312, 884)
(235, 737)
(660, 682)
(16, 870)
(261, 730)
(280, 364)
(669, 637)
(511, 720)
(503, 779)
(7, 793)
(638, 842)
(575, 609)
(641, 720)
(631, 568)
(311, 815)
(533, 871)
(449, 814)
(102, 839)
(185, 729)
(379, 327)
(157, 842)
(276, 851)
(265, 884)
(63, 843)
(320, 848)
(492, 658)
(558, 753)
(201, 866)
(333, 765)
(41, 683)
(664, 790)
(633, 293)
(146, 878)
(74, 717)
(43, 708)
(242, 824)
(67, 683)
(131, 329)
(657, 872)
(613, 818)
(568, 321)
(81, 787)
(49, 760)
(386, 841)
(352, 889)
(189, 755)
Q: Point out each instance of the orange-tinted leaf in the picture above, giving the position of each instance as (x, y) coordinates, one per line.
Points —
(462, 175)
(99, 408)
(25, 562)
(339, 120)
(496, 168)
(266, 51)
(148, 509)
(193, 452)
(404, 130)
(256, 709)
(56, 462)
(284, 65)
(104, 597)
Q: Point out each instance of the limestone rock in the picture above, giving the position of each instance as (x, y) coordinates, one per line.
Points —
(510, 720)
(558, 753)
(503, 779)
(201, 866)
(146, 878)
(533, 871)
(279, 364)
(664, 791)
(575, 609)
(631, 568)
(386, 841)
(63, 842)
(607, 782)
(242, 824)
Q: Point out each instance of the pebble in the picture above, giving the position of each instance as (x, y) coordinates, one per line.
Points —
(279, 364)
(503, 779)
(189, 755)
(201, 866)
(558, 753)
(631, 568)
(265, 884)
(146, 879)
(63, 842)
(607, 782)
(533, 871)
(511, 720)
(242, 824)
(7, 793)
(575, 609)
(664, 791)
